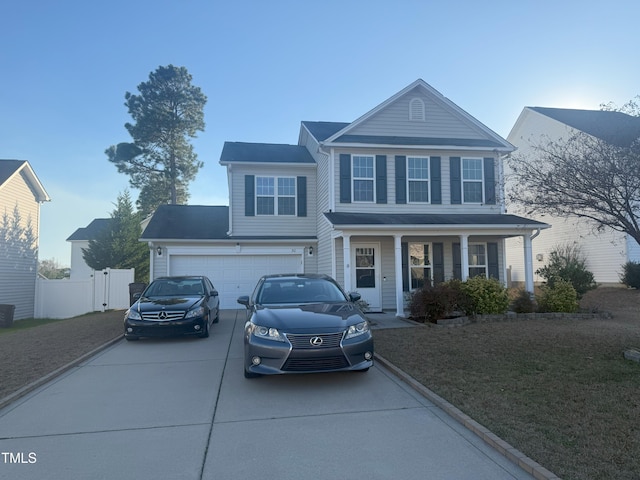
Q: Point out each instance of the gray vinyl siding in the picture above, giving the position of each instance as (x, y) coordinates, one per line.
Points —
(440, 121)
(265, 225)
(18, 274)
(392, 207)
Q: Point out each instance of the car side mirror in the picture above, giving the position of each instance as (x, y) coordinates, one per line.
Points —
(244, 300)
(354, 296)
(214, 293)
(136, 296)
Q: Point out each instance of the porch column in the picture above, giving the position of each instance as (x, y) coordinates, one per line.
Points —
(397, 243)
(528, 264)
(346, 259)
(464, 257)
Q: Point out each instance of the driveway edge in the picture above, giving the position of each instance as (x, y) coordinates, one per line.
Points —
(50, 376)
(502, 447)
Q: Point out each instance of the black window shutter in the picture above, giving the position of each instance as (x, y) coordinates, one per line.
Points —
(249, 195)
(436, 180)
(456, 180)
(457, 262)
(401, 179)
(405, 266)
(345, 178)
(438, 263)
(492, 261)
(489, 182)
(302, 196)
(381, 179)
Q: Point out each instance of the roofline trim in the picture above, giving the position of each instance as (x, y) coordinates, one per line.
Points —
(416, 147)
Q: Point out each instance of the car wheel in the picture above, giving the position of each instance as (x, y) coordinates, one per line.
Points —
(131, 339)
(205, 332)
(248, 374)
(217, 319)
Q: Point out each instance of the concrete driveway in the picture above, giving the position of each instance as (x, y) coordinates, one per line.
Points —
(181, 409)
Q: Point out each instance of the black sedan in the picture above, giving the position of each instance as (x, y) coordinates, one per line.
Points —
(304, 323)
(172, 306)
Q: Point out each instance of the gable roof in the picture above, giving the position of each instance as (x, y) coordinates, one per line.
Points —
(264, 153)
(323, 130)
(91, 231)
(616, 128)
(188, 222)
(345, 135)
(11, 168)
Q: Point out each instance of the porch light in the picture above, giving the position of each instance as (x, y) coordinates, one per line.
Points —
(310, 250)
(159, 251)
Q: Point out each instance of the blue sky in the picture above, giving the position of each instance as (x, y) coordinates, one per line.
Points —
(265, 66)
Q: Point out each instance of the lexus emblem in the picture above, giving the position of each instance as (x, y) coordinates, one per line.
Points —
(316, 341)
(162, 315)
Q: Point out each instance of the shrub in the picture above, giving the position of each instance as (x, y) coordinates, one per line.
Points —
(431, 303)
(523, 302)
(561, 297)
(631, 274)
(569, 264)
(486, 295)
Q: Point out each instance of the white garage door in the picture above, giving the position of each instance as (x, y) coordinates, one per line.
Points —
(234, 275)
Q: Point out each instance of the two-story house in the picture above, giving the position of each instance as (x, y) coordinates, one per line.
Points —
(605, 251)
(21, 194)
(411, 192)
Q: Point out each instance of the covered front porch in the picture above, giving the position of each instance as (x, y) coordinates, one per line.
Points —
(384, 256)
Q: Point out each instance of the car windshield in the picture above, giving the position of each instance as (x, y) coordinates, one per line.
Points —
(298, 291)
(174, 287)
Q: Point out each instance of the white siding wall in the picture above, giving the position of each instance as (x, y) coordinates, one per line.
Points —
(266, 225)
(605, 252)
(18, 274)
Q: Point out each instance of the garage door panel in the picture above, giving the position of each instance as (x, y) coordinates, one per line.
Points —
(234, 275)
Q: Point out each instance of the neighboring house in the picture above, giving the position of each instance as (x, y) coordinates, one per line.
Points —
(605, 251)
(79, 241)
(21, 194)
(410, 192)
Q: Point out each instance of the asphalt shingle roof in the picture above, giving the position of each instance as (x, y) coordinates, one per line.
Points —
(264, 152)
(91, 231)
(8, 168)
(614, 127)
(188, 222)
(323, 130)
(376, 219)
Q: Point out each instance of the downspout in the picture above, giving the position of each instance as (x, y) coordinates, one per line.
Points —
(151, 262)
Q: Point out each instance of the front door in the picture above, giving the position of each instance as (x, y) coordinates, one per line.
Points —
(366, 273)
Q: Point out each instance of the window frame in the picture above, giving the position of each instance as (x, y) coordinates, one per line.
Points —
(423, 180)
(371, 179)
(464, 180)
(427, 266)
(478, 266)
(276, 196)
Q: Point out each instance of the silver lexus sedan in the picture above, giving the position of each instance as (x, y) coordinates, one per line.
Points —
(304, 323)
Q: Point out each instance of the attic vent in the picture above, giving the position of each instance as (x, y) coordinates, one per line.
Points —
(416, 110)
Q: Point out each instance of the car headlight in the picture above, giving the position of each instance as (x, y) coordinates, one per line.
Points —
(359, 329)
(133, 315)
(266, 332)
(196, 312)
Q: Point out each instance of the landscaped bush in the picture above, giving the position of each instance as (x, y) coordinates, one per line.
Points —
(523, 302)
(486, 295)
(631, 274)
(431, 303)
(569, 264)
(561, 297)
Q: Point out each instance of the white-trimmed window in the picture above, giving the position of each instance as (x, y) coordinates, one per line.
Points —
(478, 266)
(416, 110)
(363, 178)
(275, 195)
(418, 179)
(420, 271)
(472, 180)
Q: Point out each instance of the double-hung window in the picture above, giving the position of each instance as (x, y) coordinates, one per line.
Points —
(418, 179)
(477, 260)
(472, 185)
(363, 178)
(275, 195)
(419, 265)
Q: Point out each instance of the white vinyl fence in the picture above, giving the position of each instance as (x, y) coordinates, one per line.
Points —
(106, 290)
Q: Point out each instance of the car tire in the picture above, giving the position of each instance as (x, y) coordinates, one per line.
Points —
(217, 319)
(131, 338)
(205, 332)
(248, 374)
